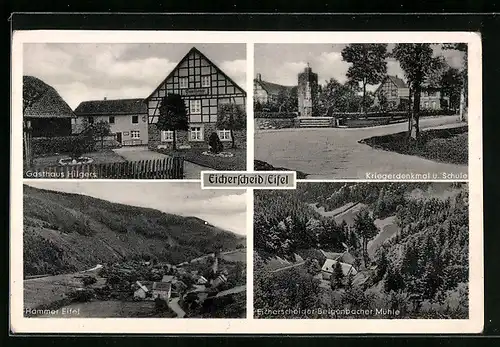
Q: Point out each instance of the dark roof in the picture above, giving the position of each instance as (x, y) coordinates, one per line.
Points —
(47, 103)
(111, 107)
(273, 88)
(195, 50)
(398, 81)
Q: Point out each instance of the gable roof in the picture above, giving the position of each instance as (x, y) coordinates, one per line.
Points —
(329, 266)
(48, 103)
(111, 107)
(194, 50)
(397, 81)
(273, 88)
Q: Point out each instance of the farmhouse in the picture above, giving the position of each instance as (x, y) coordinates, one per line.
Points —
(265, 91)
(162, 290)
(127, 118)
(329, 267)
(397, 93)
(44, 110)
(204, 87)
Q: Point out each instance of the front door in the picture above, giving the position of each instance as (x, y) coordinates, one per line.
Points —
(119, 137)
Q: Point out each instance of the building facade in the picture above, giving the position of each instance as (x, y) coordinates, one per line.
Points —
(394, 90)
(307, 92)
(127, 119)
(203, 87)
(397, 95)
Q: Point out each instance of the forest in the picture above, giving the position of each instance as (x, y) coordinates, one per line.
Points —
(419, 272)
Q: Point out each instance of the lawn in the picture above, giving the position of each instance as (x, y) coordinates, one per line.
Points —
(100, 157)
(194, 155)
(443, 145)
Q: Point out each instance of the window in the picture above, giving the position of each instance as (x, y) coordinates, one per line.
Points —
(205, 81)
(111, 119)
(195, 134)
(224, 135)
(433, 105)
(135, 119)
(135, 134)
(90, 120)
(394, 92)
(183, 82)
(195, 106)
(167, 136)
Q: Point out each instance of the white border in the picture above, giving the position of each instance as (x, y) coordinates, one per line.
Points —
(474, 324)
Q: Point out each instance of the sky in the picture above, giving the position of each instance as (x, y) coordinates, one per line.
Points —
(86, 71)
(280, 63)
(223, 208)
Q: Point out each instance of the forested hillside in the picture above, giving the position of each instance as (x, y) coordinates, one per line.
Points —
(420, 271)
(69, 232)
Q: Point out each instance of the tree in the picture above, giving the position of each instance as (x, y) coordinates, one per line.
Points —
(231, 117)
(100, 130)
(418, 63)
(451, 83)
(338, 274)
(462, 47)
(173, 115)
(368, 64)
(366, 229)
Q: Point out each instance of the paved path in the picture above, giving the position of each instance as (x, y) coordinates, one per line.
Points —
(191, 170)
(335, 153)
(174, 305)
(234, 290)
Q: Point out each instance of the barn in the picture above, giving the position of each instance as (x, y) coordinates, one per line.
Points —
(45, 112)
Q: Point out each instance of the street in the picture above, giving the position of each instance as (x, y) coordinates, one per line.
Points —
(324, 153)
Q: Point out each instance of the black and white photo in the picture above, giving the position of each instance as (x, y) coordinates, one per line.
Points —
(362, 110)
(164, 111)
(122, 249)
(362, 251)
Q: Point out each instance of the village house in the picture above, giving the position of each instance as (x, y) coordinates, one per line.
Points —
(127, 119)
(265, 91)
(397, 95)
(204, 87)
(142, 292)
(162, 290)
(45, 113)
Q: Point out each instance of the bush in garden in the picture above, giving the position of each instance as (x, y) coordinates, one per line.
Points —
(215, 143)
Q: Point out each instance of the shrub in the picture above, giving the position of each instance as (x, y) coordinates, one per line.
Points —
(215, 143)
(61, 144)
(274, 115)
(82, 295)
(88, 280)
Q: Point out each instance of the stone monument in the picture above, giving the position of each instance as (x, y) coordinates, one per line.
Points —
(307, 92)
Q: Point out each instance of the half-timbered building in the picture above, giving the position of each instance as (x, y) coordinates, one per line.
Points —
(204, 87)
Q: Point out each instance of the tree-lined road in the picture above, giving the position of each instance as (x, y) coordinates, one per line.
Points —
(324, 153)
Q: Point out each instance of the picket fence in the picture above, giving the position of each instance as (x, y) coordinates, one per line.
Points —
(166, 168)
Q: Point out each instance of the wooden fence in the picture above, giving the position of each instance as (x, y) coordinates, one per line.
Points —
(167, 168)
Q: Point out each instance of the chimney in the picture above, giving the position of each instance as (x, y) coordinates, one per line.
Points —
(259, 77)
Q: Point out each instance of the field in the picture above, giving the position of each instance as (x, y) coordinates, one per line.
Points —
(105, 309)
(238, 255)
